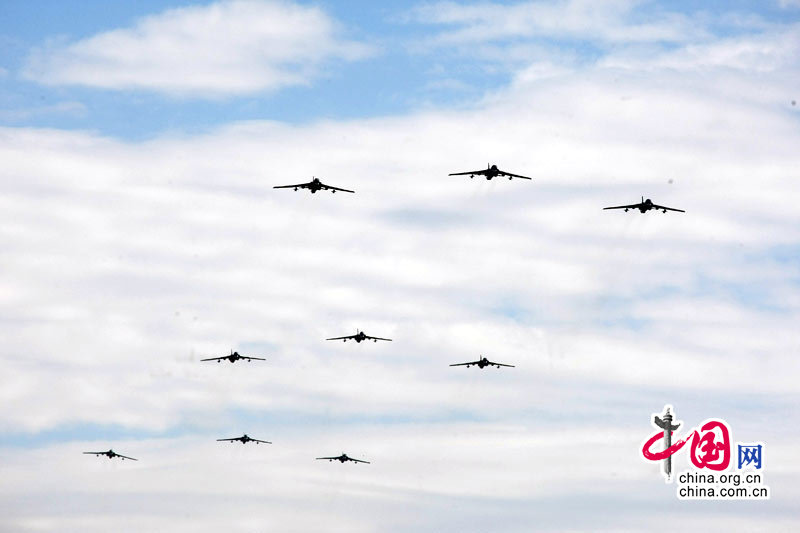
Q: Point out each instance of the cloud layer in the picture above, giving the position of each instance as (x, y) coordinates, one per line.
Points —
(226, 48)
(124, 263)
(613, 21)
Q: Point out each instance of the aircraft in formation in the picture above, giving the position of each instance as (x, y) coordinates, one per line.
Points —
(358, 337)
(111, 454)
(244, 439)
(646, 205)
(342, 459)
(490, 172)
(233, 357)
(481, 363)
(314, 185)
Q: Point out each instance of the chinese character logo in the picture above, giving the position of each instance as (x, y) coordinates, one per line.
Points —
(750, 455)
(710, 445)
(666, 425)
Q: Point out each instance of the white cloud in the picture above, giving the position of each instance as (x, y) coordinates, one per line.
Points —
(125, 262)
(225, 48)
(422, 478)
(71, 108)
(775, 49)
(610, 21)
(178, 247)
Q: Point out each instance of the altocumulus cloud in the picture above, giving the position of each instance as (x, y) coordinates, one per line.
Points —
(226, 48)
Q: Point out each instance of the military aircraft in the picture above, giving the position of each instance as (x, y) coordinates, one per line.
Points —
(481, 363)
(490, 172)
(111, 454)
(233, 357)
(244, 439)
(314, 185)
(342, 459)
(645, 206)
(358, 337)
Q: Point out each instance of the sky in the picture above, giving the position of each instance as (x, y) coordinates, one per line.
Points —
(140, 232)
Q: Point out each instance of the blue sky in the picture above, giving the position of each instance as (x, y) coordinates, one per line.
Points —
(399, 77)
(393, 81)
(140, 233)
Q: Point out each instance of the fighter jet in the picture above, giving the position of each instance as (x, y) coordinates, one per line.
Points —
(244, 439)
(490, 172)
(358, 337)
(111, 454)
(233, 357)
(481, 363)
(645, 206)
(314, 185)
(342, 459)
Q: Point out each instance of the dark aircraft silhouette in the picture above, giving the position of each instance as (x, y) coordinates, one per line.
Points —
(244, 439)
(644, 206)
(490, 172)
(342, 459)
(111, 454)
(233, 357)
(313, 186)
(481, 363)
(358, 337)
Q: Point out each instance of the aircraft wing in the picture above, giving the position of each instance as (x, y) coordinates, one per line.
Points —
(668, 208)
(264, 441)
(341, 338)
(632, 206)
(359, 461)
(126, 457)
(96, 453)
(256, 358)
(332, 188)
(510, 175)
(376, 338)
(299, 185)
(215, 358)
(231, 440)
(330, 458)
(471, 173)
(463, 364)
(500, 364)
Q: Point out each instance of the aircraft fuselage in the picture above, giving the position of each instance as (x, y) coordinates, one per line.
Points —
(358, 337)
(315, 185)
